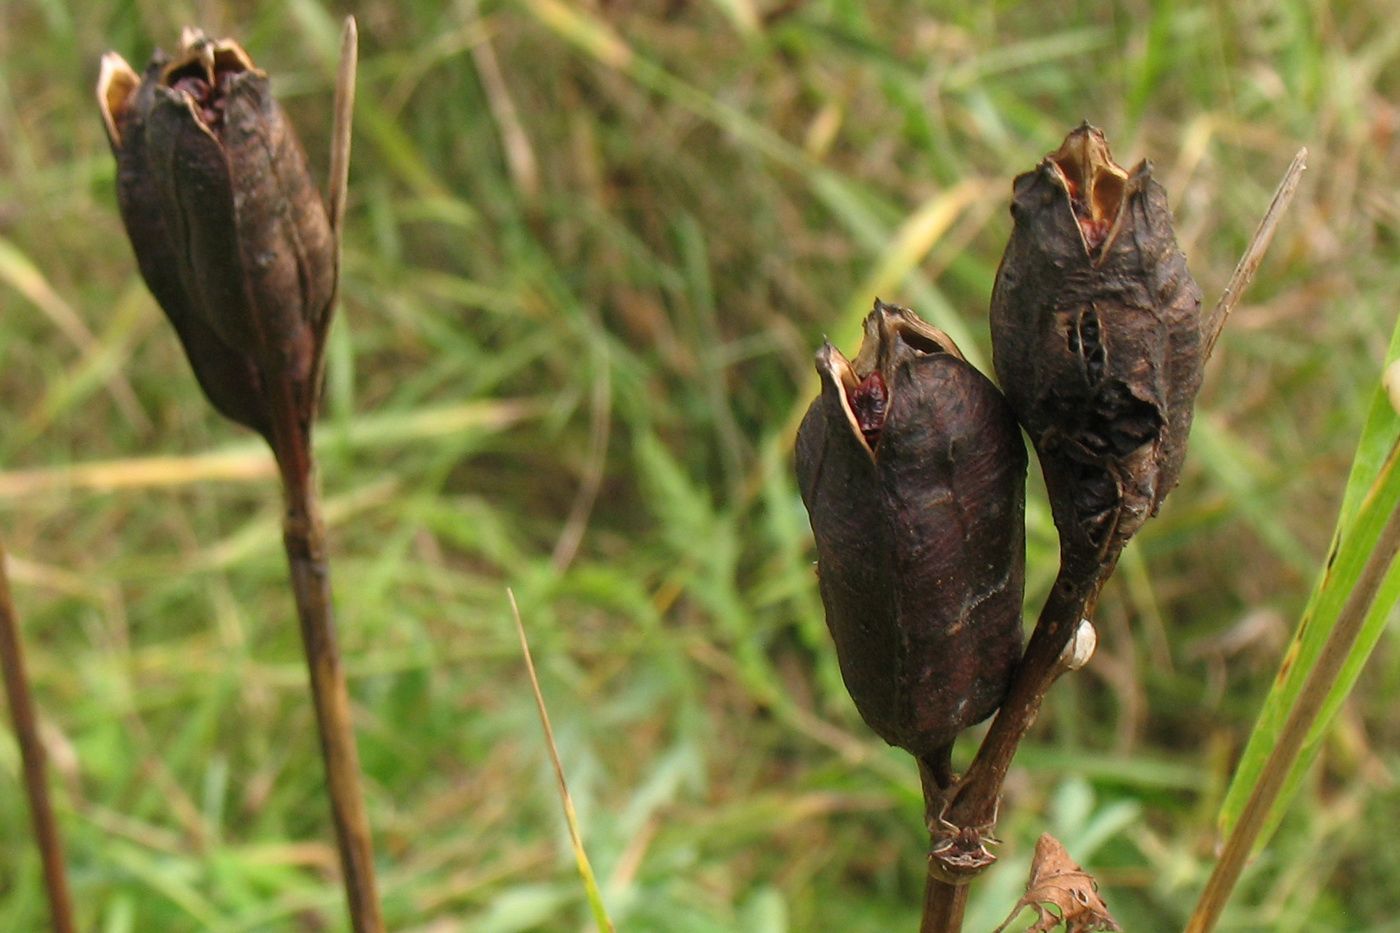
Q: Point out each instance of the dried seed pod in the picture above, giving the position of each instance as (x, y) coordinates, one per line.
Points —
(229, 231)
(1096, 342)
(913, 472)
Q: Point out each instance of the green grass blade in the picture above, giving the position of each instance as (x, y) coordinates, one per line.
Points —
(864, 213)
(1372, 494)
(585, 868)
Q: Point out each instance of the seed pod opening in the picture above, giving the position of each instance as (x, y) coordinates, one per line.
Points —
(1096, 341)
(912, 469)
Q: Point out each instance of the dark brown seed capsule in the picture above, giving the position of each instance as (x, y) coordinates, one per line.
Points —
(913, 472)
(1096, 342)
(229, 231)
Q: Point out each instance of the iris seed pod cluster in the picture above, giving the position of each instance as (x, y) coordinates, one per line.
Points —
(912, 469)
(230, 233)
(1096, 340)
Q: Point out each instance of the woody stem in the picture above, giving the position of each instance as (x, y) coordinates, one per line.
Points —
(31, 751)
(944, 905)
(972, 803)
(944, 902)
(304, 537)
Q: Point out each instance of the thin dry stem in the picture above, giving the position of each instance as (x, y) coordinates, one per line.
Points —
(1300, 721)
(305, 540)
(339, 179)
(972, 803)
(1254, 253)
(974, 800)
(31, 752)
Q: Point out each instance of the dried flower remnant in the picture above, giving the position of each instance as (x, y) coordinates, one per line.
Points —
(913, 472)
(1096, 341)
(229, 231)
(1060, 892)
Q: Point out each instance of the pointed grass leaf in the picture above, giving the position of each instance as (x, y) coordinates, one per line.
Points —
(1371, 497)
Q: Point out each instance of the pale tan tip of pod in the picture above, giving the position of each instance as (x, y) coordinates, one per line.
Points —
(116, 82)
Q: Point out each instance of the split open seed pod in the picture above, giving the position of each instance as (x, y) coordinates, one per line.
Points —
(912, 469)
(1096, 341)
(229, 231)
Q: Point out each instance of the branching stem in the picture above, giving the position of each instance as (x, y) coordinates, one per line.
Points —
(971, 806)
(974, 800)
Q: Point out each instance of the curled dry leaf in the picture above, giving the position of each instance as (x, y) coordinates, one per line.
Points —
(1060, 892)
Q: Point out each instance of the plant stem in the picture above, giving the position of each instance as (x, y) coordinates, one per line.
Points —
(305, 540)
(1311, 699)
(585, 869)
(1253, 253)
(291, 408)
(974, 800)
(972, 803)
(944, 904)
(31, 753)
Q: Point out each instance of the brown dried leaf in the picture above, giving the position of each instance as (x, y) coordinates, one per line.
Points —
(1060, 892)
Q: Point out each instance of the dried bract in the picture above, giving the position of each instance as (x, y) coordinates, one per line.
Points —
(913, 472)
(1096, 342)
(1061, 893)
(229, 231)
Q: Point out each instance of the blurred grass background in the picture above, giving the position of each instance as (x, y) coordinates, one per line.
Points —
(591, 249)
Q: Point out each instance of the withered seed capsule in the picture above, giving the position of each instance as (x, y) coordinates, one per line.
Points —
(229, 231)
(1096, 342)
(913, 472)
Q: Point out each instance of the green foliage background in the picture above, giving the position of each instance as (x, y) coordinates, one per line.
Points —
(591, 248)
